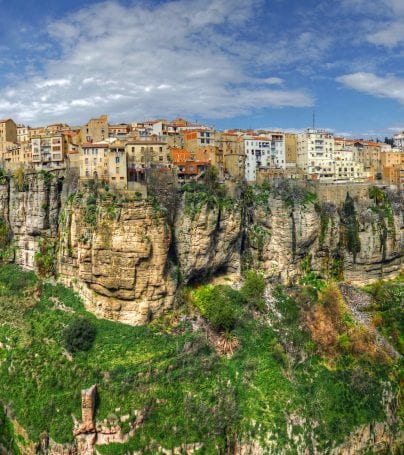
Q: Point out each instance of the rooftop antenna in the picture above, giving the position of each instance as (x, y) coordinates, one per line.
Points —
(314, 120)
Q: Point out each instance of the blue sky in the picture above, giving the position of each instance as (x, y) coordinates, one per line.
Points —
(229, 63)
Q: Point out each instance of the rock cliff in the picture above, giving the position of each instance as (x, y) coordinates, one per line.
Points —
(118, 261)
(125, 259)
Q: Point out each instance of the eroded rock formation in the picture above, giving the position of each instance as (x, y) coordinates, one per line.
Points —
(120, 263)
(126, 260)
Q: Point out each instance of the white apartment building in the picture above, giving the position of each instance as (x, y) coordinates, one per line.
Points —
(345, 166)
(399, 140)
(263, 151)
(315, 154)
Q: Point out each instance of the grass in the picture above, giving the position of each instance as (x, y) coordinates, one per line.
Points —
(190, 393)
(388, 311)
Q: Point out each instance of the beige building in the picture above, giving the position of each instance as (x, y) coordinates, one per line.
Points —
(315, 154)
(369, 154)
(345, 165)
(22, 134)
(119, 131)
(117, 166)
(231, 147)
(290, 150)
(95, 130)
(393, 168)
(8, 137)
(146, 151)
(37, 132)
(8, 131)
(94, 161)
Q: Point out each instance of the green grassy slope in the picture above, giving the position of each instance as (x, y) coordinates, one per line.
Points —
(191, 393)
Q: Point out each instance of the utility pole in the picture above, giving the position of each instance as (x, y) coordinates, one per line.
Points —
(314, 120)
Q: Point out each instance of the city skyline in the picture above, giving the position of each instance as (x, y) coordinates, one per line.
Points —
(258, 64)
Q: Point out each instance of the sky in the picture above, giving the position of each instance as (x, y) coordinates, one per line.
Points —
(227, 63)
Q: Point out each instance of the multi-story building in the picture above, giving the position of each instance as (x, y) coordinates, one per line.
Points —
(263, 151)
(231, 146)
(37, 132)
(257, 149)
(96, 130)
(399, 140)
(345, 166)
(8, 131)
(94, 161)
(393, 168)
(198, 139)
(368, 153)
(290, 150)
(147, 150)
(315, 154)
(22, 133)
(120, 131)
(49, 151)
(117, 165)
(8, 137)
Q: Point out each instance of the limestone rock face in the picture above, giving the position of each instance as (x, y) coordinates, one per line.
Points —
(377, 258)
(279, 237)
(208, 241)
(122, 261)
(31, 212)
(119, 265)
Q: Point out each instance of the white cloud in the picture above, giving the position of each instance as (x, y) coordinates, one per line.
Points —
(391, 36)
(183, 57)
(53, 83)
(273, 81)
(385, 87)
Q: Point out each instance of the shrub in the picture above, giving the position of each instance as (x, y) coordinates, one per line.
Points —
(278, 353)
(253, 289)
(19, 179)
(79, 335)
(45, 257)
(220, 305)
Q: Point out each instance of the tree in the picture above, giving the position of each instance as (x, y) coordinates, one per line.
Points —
(79, 335)
(377, 194)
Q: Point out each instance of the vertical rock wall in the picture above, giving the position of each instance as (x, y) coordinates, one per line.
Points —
(127, 260)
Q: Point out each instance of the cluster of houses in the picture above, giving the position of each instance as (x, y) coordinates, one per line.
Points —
(122, 154)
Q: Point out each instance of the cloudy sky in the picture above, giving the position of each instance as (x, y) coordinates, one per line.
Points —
(242, 63)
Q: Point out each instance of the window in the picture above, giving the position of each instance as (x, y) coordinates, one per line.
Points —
(117, 159)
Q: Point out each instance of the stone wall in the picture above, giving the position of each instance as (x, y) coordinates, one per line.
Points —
(336, 192)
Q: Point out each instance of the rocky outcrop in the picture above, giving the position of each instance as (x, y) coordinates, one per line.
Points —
(208, 241)
(119, 264)
(31, 210)
(126, 260)
(281, 237)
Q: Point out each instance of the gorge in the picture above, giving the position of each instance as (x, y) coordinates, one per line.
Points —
(131, 261)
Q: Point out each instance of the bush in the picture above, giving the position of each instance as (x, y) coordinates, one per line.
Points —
(79, 335)
(253, 289)
(220, 305)
(45, 257)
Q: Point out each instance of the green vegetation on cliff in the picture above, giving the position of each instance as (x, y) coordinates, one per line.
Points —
(169, 370)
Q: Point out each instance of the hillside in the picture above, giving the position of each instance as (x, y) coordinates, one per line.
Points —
(286, 388)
